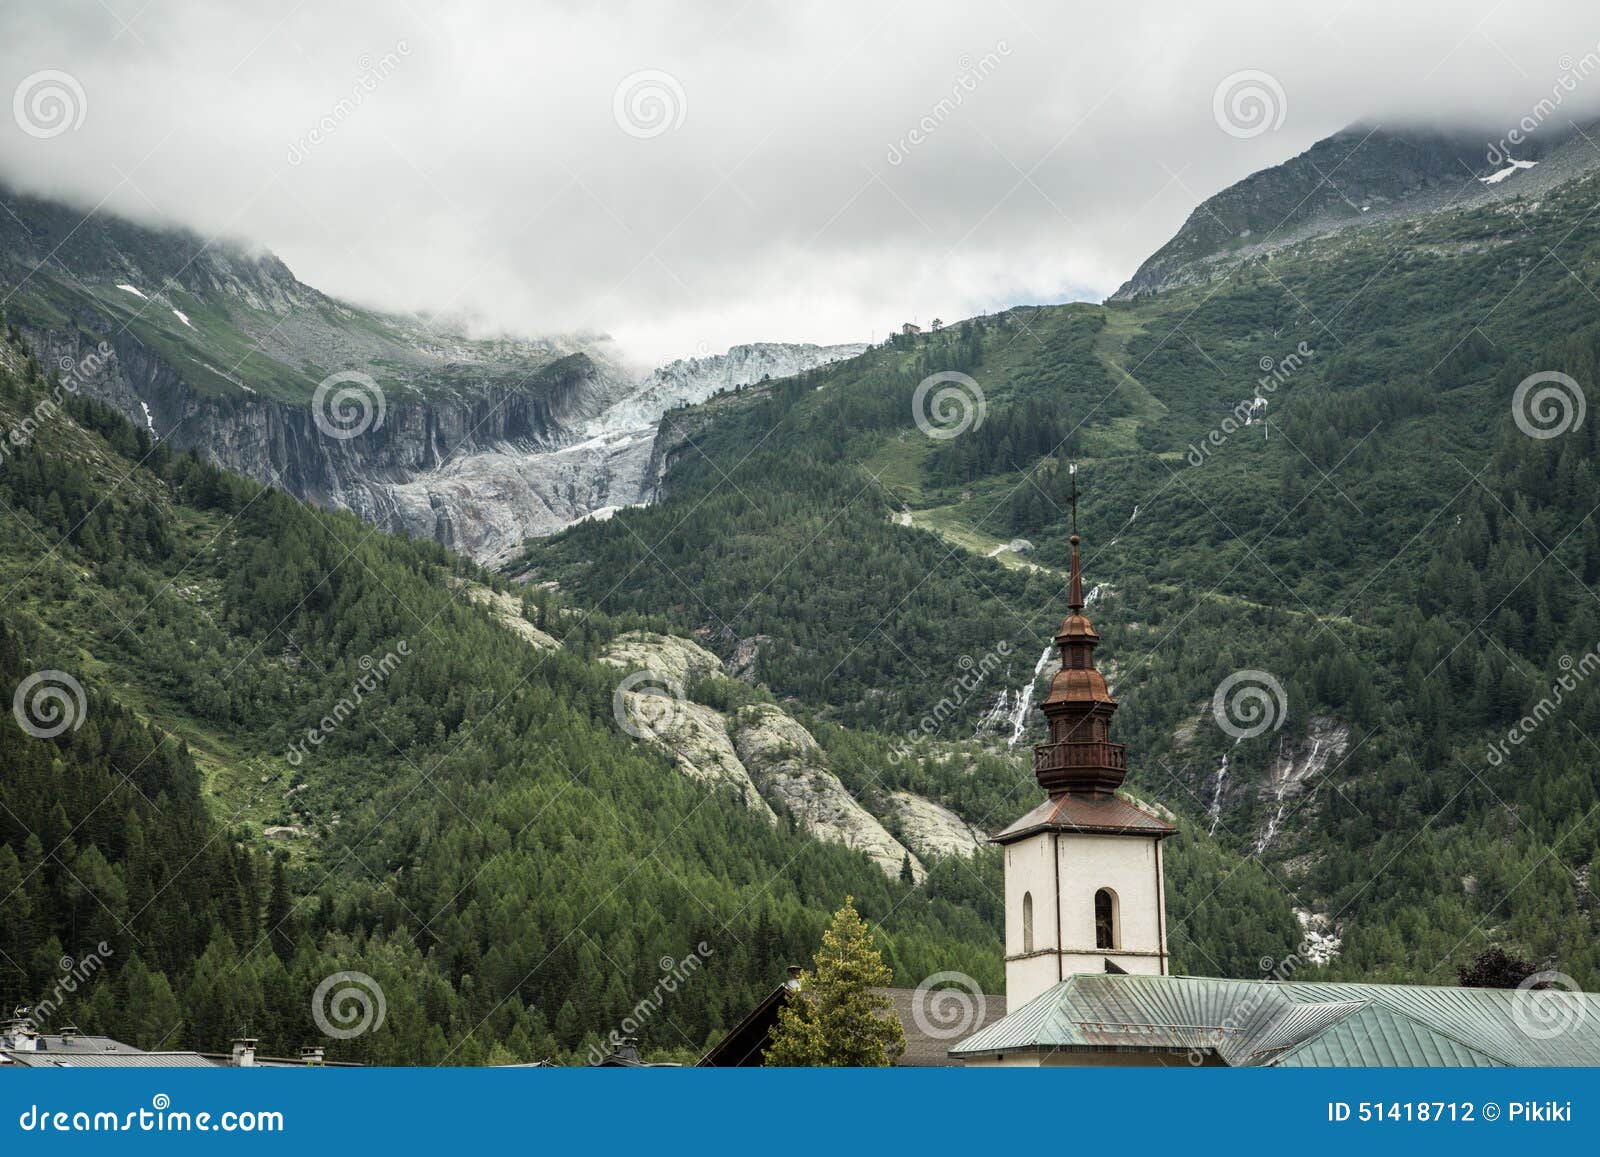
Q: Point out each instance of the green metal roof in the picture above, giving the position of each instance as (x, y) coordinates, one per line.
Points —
(1288, 1023)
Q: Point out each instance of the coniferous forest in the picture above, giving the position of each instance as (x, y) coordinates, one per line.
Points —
(1416, 572)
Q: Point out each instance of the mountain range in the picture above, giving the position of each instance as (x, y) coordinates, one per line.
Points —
(475, 442)
(1341, 554)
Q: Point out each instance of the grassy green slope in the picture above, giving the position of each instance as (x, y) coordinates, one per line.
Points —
(477, 834)
(1388, 545)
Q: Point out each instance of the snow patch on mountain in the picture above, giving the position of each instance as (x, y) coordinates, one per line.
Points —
(1512, 166)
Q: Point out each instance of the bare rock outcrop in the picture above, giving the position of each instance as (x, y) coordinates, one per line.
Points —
(789, 767)
(933, 829)
(507, 611)
(675, 659)
(696, 737)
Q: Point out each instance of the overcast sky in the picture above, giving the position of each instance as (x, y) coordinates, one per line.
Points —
(685, 176)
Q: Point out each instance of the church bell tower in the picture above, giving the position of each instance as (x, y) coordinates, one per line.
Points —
(1084, 890)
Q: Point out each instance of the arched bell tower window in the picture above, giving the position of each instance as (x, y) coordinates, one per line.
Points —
(1027, 921)
(1105, 918)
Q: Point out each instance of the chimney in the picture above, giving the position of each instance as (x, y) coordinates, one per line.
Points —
(244, 1052)
(311, 1054)
(794, 978)
(627, 1049)
(68, 1034)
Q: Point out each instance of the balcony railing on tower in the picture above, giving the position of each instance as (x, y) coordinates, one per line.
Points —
(1088, 765)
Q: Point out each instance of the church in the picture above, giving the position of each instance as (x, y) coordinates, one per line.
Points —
(1087, 970)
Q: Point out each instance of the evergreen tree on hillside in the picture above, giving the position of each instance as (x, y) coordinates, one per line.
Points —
(838, 1017)
(1495, 968)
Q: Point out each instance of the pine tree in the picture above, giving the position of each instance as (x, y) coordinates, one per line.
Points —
(839, 1016)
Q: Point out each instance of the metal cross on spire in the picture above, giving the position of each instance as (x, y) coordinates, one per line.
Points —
(1072, 499)
(1075, 587)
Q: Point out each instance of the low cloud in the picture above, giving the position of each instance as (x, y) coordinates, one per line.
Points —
(694, 174)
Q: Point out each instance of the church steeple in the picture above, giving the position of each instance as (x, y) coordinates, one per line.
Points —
(1084, 890)
(1079, 756)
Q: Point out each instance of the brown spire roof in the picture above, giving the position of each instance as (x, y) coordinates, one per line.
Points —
(1079, 756)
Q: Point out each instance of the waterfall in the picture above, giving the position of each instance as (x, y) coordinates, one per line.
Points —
(1284, 784)
(1023, 698)
(1215, 810)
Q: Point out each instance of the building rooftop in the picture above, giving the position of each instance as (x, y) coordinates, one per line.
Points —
(1294, 1024)
(1104, 815)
